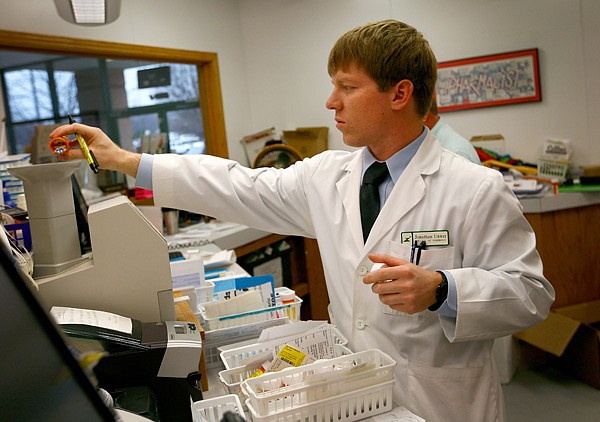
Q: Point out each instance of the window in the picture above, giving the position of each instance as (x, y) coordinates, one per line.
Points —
(159, 84)
(127, 98)
(206, 64)
(28, 94)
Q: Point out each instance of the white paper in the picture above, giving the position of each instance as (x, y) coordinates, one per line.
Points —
(220, 259)
(93, 318)
(265, 291)
(315, 339)
(244, 302)
(187, 272)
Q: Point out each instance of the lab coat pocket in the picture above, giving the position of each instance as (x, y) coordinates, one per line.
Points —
(432, 259)
(435, 258)
(448, 388)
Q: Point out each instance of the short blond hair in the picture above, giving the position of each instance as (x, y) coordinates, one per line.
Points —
(389, 51)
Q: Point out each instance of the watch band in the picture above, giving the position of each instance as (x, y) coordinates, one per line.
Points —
(441, 293)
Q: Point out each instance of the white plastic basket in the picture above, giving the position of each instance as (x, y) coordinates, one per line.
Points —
(352, 406)
(213, 339)
(233, 358)
(212, 410)
(312, 387)
(232, 378)
(204, 293)
(264, 314)
(551, 169)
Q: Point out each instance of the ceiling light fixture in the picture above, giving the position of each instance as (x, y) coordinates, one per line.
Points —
(88, 12)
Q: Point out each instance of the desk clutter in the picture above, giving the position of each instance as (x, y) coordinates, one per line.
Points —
(271, 365)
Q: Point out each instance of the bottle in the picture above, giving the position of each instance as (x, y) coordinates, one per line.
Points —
(288, 298)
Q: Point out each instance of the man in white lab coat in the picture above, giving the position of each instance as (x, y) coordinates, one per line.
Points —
(479, 275)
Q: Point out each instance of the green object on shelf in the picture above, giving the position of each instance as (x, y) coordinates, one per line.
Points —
(579, 188)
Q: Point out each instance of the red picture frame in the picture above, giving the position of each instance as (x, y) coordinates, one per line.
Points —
(491, 80)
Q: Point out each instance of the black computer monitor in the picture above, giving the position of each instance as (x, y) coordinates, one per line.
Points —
(40, 380)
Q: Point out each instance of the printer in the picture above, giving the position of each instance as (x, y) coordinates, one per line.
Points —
(152, 372)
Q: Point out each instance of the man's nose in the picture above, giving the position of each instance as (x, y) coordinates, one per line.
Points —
(332, 103)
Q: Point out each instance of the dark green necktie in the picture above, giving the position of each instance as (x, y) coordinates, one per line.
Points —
(369, 196)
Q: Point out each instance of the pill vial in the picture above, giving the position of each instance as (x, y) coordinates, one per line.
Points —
(288, 299)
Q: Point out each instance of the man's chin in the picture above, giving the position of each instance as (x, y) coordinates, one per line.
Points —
(352, 142)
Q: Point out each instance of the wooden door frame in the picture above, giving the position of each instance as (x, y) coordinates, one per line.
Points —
(211, 104)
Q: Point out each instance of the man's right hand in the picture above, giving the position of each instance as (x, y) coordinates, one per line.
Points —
(109, 155)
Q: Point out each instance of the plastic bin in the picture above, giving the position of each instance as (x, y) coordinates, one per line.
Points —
(212, 410)
(363, 378)
(234, 357)
(204, 292)
(214, 339)
(273, 312)
(352, 406)
(551, 169)
(232, 378)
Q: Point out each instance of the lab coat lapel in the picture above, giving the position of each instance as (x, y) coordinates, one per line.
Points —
(348, 188)
(408, 191)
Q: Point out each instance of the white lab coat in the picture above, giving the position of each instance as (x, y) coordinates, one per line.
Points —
(444, 367)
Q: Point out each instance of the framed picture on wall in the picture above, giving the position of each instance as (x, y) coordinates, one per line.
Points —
(492, 80)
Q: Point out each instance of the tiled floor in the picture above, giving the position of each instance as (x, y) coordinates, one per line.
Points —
(547, 395)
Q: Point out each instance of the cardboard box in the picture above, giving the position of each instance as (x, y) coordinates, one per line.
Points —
(254, 143)
(572, 333)
(308, 141)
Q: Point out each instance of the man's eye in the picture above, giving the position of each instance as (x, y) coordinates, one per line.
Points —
(347, 88)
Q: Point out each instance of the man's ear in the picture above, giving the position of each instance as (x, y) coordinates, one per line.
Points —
(402, 91)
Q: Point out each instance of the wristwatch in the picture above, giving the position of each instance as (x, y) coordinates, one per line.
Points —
(441, 293)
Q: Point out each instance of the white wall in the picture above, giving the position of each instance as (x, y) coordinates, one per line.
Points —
(273, 55)
(287, 44)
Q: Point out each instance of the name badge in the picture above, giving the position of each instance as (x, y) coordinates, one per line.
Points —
(431, 237)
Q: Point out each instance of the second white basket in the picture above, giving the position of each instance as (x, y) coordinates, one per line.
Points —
(232, 378)
(233, 358)
(351, 406)
(259, 315)
(282, 391)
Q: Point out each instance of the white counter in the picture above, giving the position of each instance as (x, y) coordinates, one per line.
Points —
(562, 201)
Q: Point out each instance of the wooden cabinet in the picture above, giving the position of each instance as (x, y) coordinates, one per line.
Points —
(568, 241)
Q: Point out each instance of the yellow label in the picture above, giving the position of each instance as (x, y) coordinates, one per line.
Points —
(257, 373)
(291, 355)
(261, 370)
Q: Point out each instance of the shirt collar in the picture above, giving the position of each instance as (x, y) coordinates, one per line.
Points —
(398, 162)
